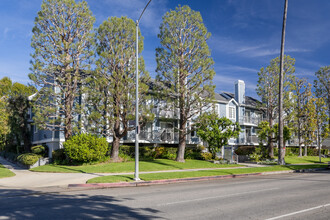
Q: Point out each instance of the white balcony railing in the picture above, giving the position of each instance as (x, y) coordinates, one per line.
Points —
(253, 139)
(250, 120)
(163, 136)
(166, 113)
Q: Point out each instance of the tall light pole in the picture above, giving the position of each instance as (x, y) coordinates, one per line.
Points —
(136, 174)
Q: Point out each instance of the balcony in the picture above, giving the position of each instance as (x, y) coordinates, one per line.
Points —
(249, 140)
(166, 113)
(164, 136)
(250, 120)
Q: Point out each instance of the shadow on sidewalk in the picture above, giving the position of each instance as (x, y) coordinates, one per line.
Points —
(29, 204)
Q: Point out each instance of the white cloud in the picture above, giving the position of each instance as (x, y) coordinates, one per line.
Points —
(5, 32)
(234, 68)
(248, 49)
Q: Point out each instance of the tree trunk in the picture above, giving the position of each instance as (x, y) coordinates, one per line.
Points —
(115, 149)
(116, 141)
(270, 147)
(183, 117)
(305, 153)
(68, 116)
(182, 139)
(319, 144)
(68, 129)
(299, 143)
(182, 145)
(270, 141)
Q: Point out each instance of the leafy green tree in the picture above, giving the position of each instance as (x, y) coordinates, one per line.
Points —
(62, 39)
(18, 106)
(14, 107)
(112, 103)
(5, 89)
(268, 90)
(4, 121)
(5, 86)
(322, 87)
(267, 133)
(321, 125)
(310, 122)
(300, 98)
(185, 66)
(216, 131)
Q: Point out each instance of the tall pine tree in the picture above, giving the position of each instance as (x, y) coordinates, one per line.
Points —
(61, 40)
(185, 66)
(112, 95)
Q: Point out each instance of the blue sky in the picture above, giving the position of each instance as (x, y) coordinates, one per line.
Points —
(245, 34)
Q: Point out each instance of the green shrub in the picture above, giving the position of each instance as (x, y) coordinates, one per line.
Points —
(245, 150)
(39, 149)
(149, 153)
(159, 152)
(127, 150)
(58, 156)
(85, 148)
(206, 156)
(28, 158)
(146, 153)
(188, 153)
(312, 152)
(170, 153)
(194, 154)
(324, 151)
(200, 148)
(125, 158)
(260, 153)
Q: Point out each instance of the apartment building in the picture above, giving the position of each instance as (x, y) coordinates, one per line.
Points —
(163, 130)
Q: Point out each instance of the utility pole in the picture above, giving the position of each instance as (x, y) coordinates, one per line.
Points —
(281, 144)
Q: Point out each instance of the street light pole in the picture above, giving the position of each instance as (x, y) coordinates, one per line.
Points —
(137, 131)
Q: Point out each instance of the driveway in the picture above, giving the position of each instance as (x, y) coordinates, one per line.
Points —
(27, 179)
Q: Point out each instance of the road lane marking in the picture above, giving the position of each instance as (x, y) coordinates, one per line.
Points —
(216, 197)
(298, 212)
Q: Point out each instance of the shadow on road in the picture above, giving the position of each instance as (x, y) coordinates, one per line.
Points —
(29, 204)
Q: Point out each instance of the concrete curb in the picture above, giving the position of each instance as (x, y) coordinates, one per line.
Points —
(183, 180)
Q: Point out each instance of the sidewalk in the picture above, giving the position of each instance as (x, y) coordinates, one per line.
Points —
(26, 179)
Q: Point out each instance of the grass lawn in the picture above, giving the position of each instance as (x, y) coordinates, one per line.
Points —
(308, 159)
(204, 173)
(155, 165)
(4, 172)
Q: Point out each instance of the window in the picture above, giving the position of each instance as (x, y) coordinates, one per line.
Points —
(35, 128)
(232, 113)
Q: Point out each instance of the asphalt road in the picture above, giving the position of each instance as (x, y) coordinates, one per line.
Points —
(289, 196)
